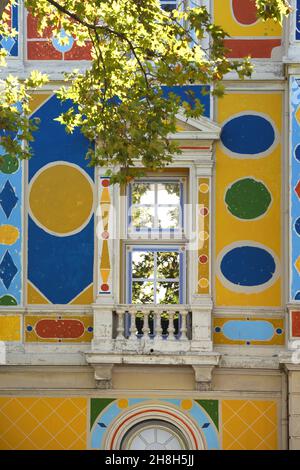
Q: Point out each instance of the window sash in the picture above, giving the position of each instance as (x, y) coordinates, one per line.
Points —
(133, 230)
(181, 280)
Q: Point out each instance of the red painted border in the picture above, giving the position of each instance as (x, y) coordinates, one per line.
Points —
(295, 324)
(256, 48)
(151, 411)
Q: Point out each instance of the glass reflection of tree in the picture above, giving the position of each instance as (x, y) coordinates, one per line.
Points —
(167, 202)
(142, 216)
(166, 276)
(139, 190)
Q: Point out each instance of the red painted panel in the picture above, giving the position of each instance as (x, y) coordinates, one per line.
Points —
(256, 48)
(79, 53)
(295, 324)
(42, 50)
(67, 329)
(32, 31)
(244, 11)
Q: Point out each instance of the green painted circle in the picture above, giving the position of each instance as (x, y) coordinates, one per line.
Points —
(247, 199)
(8, 300)
(8, 164)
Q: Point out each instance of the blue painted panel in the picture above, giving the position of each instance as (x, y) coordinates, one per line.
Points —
(295, 201)
(248, 134)
(190, 93)
(238, 330)
(11, 214)
(297, 25)
(52, 143)
(11, 44)
(248, 266)
(60, 267)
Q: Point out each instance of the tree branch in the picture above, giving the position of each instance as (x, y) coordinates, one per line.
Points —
(3, 5)
(105, 28)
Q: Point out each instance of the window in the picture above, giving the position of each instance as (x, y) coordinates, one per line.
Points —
(154, 435)
(155, 246)
(155, 206)
(168, 5)
(156, 275)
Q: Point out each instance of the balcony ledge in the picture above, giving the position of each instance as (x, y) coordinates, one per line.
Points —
(203, 364)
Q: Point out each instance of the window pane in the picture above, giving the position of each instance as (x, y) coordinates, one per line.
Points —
(168, 217)
(168, 193)
(168, 265)
(142, 292)
(142, 193)
(168, 5)
(142, 264)
(167, 293)
(142, 217)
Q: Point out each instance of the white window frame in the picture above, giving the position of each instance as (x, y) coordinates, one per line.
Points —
(138, 240)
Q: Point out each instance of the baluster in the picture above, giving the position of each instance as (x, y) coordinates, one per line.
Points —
(158, 328)
(183, 329)
(146, 329)
(132, 329)
(120, 326)
(171, 329)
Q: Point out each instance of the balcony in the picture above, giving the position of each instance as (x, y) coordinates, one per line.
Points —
(145, 329)
(152, 335)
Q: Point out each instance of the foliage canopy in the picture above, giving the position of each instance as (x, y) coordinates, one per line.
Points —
(118, 99)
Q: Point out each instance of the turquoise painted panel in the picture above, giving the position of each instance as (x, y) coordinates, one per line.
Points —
(295, 188)
(11, 174)
(251, 330)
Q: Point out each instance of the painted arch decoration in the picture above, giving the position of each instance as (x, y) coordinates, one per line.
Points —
(60, 212)
(195, 420)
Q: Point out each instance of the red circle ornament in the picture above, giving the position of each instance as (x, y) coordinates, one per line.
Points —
(204, 211)
(105, 287)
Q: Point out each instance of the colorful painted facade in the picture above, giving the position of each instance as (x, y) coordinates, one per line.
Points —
(98, 352)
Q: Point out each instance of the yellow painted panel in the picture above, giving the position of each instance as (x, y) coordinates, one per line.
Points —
(43, 423)
(249, 425)
(37, 99)
(86, 297)
(267, 229)
(277, 339)
(10, 328)
(203, 235)
(57, 328)
(105, 261)
(34, 296)
(224, 17)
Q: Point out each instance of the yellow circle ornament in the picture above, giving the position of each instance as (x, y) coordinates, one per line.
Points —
(61, 199)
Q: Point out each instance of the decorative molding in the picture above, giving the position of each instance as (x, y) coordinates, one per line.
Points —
(103, 376)
(203, 377)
